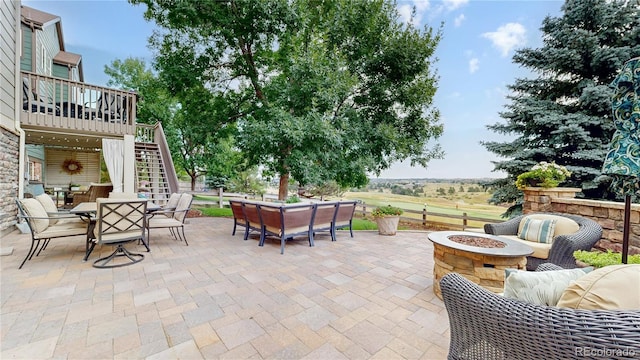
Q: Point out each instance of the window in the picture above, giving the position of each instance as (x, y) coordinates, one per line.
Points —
(35, 170)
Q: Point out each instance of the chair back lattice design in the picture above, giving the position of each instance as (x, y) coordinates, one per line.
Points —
(120, 220)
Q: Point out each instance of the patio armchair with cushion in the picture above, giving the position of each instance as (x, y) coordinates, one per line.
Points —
(45, 227)
(171, 204)
(95, 191)
(118, 222)
(583, 324)
(175, 223)
(569, 233)
(57, 215)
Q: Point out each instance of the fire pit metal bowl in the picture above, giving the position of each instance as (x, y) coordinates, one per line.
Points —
(483, 264)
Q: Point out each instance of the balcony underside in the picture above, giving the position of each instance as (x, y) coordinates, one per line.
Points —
(66, 139)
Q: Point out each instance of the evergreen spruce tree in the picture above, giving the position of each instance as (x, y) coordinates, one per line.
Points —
(564, 115)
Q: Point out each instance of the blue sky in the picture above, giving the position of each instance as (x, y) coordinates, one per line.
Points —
(474, 63)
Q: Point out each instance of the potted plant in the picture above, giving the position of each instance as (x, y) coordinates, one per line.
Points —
(543, 174)
(387, 218)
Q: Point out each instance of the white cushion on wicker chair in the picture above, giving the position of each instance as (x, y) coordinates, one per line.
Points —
(540, 250)
(539, 287)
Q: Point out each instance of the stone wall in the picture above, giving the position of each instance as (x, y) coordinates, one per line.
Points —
(9, 143)
(609, 214)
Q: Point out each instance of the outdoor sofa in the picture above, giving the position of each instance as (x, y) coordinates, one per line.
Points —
(289, 220)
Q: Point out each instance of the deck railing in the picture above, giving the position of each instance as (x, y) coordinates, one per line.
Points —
(56, 104)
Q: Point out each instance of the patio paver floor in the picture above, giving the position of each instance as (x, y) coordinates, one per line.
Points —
(221, 297)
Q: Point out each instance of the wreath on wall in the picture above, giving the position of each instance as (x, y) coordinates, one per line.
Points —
(72, 166)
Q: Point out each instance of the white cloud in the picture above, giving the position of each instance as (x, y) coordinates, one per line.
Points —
(454, 4)
(458, 20)
(474, 65)
(405, 14)
(405, 10)
(421, 5)
(507, 37)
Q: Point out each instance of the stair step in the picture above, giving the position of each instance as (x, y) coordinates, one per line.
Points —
(149, 164)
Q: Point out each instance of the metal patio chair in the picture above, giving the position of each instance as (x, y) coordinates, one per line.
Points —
(119, 222)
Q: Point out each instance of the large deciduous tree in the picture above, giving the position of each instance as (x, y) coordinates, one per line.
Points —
(564, 114)
(318, 90)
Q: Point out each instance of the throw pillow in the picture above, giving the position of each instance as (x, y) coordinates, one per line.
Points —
(34, 209)
(614, 287)
(539, 287)
(540, 231)
(49, 206)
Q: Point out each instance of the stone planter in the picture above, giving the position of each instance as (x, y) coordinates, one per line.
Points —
(388, 225)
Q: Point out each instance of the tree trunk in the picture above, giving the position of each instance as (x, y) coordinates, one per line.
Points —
(283, 187)
(193, 183)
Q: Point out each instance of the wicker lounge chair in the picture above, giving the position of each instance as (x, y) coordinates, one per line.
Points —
(563, 246)
(485, 325)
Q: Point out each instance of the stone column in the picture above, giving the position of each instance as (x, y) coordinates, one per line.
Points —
(538, 199)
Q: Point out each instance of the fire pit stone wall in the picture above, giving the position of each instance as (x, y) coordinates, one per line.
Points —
(485, 270)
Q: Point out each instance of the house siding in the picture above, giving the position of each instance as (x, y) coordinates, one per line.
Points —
(8, 49)
(48, 47)
(27, 49)
(9, 139)
(56, 177)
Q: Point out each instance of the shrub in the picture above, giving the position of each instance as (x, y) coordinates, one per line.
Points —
(544, 174)
(600, 259)
(388, 210)
(293, 199)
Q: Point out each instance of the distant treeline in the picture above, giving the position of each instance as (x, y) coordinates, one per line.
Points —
(417, 189)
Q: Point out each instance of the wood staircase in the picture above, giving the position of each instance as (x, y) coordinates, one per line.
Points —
(151, 172)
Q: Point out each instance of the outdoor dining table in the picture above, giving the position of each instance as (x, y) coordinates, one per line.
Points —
(88, 210)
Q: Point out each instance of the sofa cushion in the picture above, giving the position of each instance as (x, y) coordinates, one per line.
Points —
(33, 208)
(540, 250)
(614, 287)
(537, 230)
(564, 225)
(539, 287)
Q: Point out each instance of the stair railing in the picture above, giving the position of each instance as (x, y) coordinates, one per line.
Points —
(167, 160)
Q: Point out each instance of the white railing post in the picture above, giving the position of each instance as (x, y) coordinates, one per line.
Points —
(220, 196)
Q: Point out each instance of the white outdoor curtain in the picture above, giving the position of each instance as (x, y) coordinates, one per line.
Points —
(113, 152)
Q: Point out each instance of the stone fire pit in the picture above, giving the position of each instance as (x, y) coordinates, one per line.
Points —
(480, 258)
